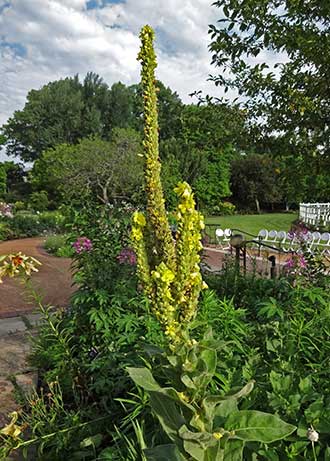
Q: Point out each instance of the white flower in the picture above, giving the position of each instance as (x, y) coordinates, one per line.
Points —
(312, 435)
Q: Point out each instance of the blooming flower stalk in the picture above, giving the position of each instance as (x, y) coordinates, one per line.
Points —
(168, 268)
(17, 264)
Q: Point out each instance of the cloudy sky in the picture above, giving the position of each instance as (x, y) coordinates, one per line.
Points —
(44, 40)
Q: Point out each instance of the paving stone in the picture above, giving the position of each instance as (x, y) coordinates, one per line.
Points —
(7, 401)
(27, 382)
(14, 349)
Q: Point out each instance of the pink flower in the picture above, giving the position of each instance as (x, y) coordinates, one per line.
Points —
(127, 256)
(290, 263)
(82, 245)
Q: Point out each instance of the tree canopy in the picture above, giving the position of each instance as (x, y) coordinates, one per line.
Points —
(94, 169)
(289, 102)
(66, 111)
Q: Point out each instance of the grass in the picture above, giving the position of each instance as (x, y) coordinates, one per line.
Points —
(253, 223)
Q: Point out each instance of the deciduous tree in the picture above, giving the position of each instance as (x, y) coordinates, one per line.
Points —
(276, 54)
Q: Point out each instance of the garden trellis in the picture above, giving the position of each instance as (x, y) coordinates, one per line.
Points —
(315, 214)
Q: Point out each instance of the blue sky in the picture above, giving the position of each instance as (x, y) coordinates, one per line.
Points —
(44, 40)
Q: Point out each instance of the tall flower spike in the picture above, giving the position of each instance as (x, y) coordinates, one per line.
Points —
(169, 272)
(160, 233)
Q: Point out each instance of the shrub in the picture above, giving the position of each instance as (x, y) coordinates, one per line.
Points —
(223, 209)
(27, 224)
(39, 201)
(5, 231)
(19, 205)
(59, 246)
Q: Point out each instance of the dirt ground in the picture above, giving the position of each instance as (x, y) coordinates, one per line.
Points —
(53, 281)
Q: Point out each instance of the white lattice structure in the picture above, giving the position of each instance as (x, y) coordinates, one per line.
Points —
(316, 214)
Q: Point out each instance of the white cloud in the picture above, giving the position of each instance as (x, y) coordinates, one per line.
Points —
(49, 39)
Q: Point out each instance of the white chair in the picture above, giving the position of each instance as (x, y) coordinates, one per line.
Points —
(272, 236)
(315, 240)
(263, 234)
(219, 236)
(261, 237)
(325, 242)
(227, 237)
(281, 238)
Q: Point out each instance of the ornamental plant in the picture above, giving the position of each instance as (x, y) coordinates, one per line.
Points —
(167, 267)
(17, 264)
(199, 420)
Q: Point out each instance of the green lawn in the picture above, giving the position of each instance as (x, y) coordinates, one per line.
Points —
(253, 223)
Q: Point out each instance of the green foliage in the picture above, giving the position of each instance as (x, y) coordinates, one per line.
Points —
(94, 170)
(223, 209)
(202, 425)
(17, 188)
(3, 181)
(38, 201)
(277, 333)
(59, 246)
(108, 229)
(285, 101)
(202, 152)
(27, 224)
(5, 231)
(60, 112)
(254, 180)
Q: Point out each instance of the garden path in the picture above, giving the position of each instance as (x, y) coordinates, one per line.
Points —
(53, 281)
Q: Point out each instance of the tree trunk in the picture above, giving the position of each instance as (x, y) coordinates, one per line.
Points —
(257, 205)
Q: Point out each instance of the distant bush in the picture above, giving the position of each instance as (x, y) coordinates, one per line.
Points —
(58, 245)
(39, 201)
(19, 206)
(27, 224)
(223, 209)
(5, 231)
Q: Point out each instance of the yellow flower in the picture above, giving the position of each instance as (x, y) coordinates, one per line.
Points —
(12, 430)
(217, 435)
(170, 331)
(183, 190)
(155, 274)
(137, 234)
(183, 396)
(139, 218)
(204, 285)
(167, 276)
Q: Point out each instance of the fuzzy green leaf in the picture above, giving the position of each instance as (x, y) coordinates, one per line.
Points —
(257, 426)
(163, 453)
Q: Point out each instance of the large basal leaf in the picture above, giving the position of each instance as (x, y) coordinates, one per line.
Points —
(163, 453)
(143, 378)
(168, 414)
(257, 426)
(199, 444)
(233, 450)
(222, 411)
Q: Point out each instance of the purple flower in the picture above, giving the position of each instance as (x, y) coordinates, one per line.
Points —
(302, 262)
(290, 263)
(127, 256)
(82, 245)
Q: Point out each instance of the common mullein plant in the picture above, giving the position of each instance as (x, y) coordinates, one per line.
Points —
(199, 421)
(168, 268)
